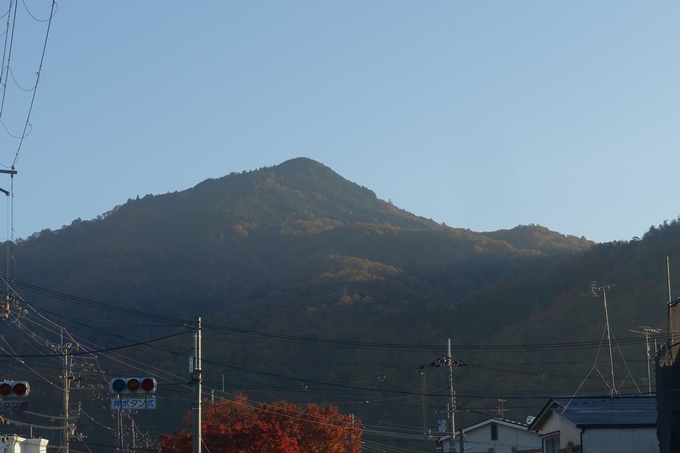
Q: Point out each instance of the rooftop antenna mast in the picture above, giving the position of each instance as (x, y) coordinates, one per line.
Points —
(502, 410)
(595, 290)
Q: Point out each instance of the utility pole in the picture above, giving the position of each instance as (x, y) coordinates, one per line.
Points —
(646, 331)
(197, 379)
(66, 431)
(119, 426)
(67, 388)
(134, 435)
(9, 242)
(452, 408)
(422, 388)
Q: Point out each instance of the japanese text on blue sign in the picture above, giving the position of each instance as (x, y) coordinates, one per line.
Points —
(132, 404)
(14, 405)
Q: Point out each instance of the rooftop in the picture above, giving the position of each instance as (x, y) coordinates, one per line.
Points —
(601, 411)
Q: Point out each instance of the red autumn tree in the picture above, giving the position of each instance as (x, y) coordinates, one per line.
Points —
(239, 427)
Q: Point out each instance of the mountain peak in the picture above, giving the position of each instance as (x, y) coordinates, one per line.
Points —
(300, 191)
(301, 163)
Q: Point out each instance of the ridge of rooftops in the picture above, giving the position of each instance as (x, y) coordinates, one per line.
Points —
(616, 411)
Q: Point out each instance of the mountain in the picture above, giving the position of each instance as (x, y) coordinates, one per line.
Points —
(246, 234)
(538, 238)
(304, 281)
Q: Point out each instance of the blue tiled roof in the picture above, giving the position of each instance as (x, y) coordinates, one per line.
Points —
(604, 411)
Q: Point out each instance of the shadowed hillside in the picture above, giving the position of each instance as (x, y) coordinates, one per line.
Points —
(303, 280)
(242, 236)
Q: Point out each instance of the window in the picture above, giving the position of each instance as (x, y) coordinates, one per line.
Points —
(494, 431)
(552, 444)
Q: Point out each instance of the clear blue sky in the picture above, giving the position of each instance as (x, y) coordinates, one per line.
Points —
(481, 115)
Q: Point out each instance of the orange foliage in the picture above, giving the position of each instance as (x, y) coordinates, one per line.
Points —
(238, 427)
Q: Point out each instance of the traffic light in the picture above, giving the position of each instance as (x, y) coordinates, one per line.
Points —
(14, 389)
(133, 386)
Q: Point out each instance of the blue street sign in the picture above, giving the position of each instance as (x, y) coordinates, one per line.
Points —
(133, 404)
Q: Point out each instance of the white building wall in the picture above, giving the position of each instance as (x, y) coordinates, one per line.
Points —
(551, 425)
(34, 446)
(480, 440)
(629, 440)
(570, 435)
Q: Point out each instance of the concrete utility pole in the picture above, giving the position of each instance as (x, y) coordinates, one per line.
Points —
(452, 408)
(197, 379)
(66, 431)
(9, 243)
(119, 427)
(134, 435)
(646, 332)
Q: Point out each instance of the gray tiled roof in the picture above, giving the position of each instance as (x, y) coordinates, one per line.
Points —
(616, 411)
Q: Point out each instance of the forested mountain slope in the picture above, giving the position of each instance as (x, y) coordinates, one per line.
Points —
(304, 280)
(237, 238)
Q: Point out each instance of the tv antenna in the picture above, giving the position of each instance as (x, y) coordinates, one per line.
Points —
(501, 410)
(647, 331)
(595, 291)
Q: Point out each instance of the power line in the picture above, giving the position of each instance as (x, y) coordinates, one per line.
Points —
(37, 80)
(7, 52)
(324, 341)
(52, 13)
(95, 351)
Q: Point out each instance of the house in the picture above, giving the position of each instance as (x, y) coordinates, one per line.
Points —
(598, 424)
(497, 435)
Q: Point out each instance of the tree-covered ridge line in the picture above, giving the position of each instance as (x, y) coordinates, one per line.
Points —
(298, 249)
(231, 234)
